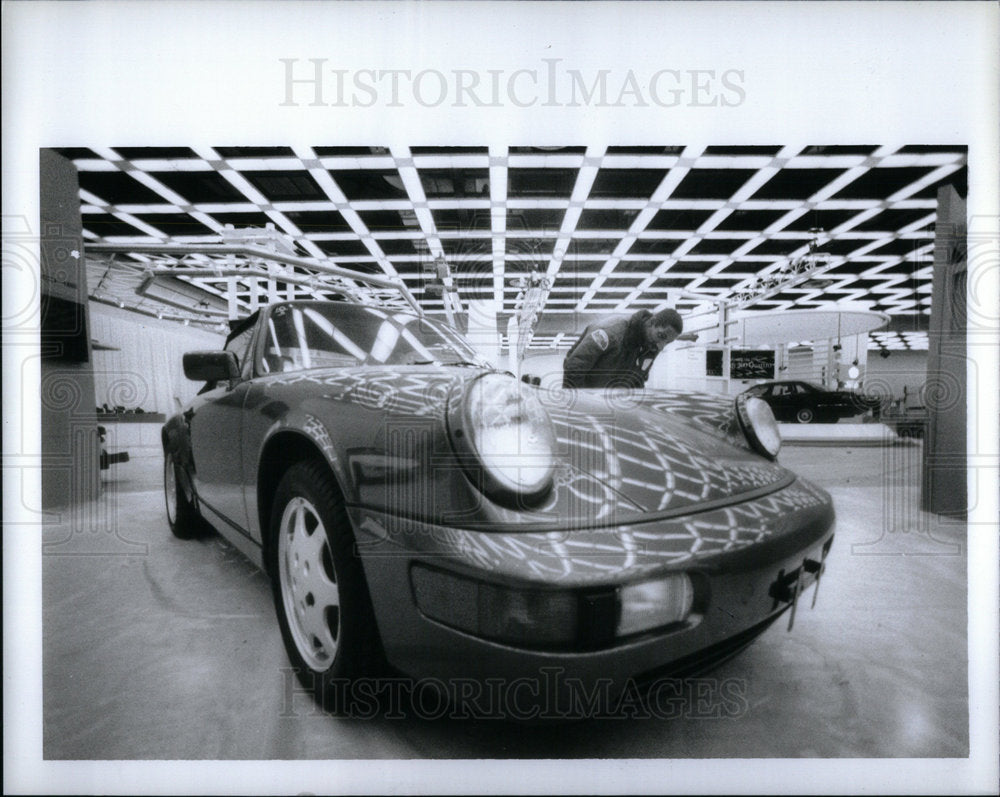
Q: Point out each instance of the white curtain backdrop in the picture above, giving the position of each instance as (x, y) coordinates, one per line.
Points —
(146, 370)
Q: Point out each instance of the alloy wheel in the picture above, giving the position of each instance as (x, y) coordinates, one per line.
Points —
(309, 590)
(170, 488)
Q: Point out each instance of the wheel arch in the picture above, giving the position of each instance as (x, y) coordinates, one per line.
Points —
(175, 442)
(282, 450)
(171, 434)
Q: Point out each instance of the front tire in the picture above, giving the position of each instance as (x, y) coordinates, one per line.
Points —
(805, 415)
(182, 513)
(320, 594)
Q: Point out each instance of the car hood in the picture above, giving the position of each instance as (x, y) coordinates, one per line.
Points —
(663, 452)
(625, 457)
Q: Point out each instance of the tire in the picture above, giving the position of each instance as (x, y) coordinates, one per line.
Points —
(320, 593)
(182, 512)
(805, 415)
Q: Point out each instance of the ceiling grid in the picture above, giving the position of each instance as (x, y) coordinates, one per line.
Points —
(615, 228)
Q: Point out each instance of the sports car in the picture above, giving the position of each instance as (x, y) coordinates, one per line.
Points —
(419, 511)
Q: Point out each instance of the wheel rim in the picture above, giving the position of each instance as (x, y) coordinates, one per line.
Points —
(170, 488)
(309, 592)
(805, 416)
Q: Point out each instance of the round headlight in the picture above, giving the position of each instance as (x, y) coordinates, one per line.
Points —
(758, 425)
(504, 438)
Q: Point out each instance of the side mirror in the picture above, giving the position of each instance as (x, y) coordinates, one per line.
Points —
(211, 366)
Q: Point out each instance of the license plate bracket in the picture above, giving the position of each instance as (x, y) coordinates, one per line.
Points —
(789, 585)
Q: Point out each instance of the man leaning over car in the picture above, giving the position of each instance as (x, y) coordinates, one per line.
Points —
(618, 351)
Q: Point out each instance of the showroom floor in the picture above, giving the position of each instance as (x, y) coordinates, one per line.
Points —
(162, 649)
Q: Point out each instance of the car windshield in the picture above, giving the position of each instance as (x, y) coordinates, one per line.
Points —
(308, 335)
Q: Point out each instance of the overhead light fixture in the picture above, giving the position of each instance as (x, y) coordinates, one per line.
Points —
(175, 292)
(267, 238)
(791, 274)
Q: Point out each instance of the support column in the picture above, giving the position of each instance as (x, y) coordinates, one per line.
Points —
(781, 361)
(944, 489)
(513, 338)
(483, 333)
(70, 445)
(824, 361)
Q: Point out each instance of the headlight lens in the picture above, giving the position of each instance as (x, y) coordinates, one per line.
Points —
(525, 618)
(504, 436)
(651, 604)
(552, 619)
(758, 424)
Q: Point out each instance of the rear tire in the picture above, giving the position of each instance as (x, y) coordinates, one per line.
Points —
(805, 415)
(320, 593)
(183, 517)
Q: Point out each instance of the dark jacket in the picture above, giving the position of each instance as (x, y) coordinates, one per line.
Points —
(611, 352)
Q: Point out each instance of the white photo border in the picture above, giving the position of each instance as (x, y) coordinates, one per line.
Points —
(169, 73)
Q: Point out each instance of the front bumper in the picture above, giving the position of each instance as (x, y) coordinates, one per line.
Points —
(749, 557)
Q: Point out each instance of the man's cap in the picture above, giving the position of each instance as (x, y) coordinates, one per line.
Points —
(669, 317)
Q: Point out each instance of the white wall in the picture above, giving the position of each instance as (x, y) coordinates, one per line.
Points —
(146, 371)
(889, 375)
(679, 367)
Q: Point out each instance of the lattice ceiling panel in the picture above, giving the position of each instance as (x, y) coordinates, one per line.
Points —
(615, 228)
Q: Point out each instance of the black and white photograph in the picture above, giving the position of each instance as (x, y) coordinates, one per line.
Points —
(577, 397)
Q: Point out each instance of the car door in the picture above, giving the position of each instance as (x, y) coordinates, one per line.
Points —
(215, 421)
(825, 403)
(798, 397)
(780, 399)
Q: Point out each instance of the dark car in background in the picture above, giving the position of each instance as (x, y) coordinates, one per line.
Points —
(803, 402)
(414, 506)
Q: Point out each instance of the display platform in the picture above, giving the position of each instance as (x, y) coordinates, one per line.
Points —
(840, 434)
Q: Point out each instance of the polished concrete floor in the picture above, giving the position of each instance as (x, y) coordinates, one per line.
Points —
(156, 648)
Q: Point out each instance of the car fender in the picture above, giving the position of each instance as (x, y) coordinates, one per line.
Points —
(279, 437)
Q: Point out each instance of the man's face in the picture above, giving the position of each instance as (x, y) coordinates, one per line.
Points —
(659, 336)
